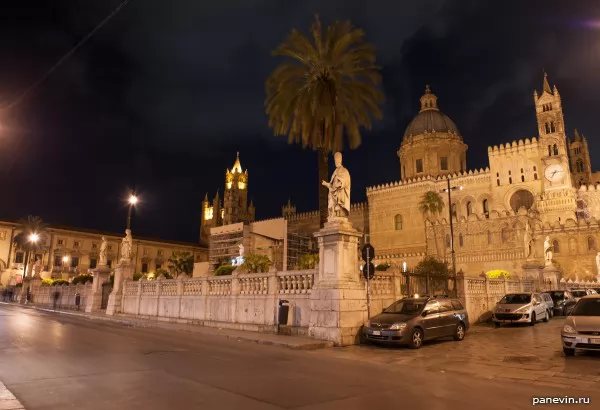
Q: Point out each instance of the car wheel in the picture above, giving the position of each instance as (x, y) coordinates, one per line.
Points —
(533, 319)
(459, 334)
(568, 352)
(416, 339)
(497, 324)
(547, 316)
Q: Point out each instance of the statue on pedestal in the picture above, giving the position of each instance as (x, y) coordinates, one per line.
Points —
(127, 245)
(338, 204)
(548, 251)
(528, 241)
(103, 252)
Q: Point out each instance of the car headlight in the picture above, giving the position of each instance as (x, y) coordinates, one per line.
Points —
(524, 309)
(568, 329)
(398, 326)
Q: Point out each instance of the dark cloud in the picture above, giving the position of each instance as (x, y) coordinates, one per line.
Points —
(162, 97)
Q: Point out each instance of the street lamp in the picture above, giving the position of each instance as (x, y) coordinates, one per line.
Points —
(132, 201)
(65, 259)
(449, 189)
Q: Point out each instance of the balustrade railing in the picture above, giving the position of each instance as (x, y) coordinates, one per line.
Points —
(295, 282)
(253, 285)
(192, 287)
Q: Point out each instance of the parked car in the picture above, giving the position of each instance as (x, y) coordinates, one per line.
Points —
(564, 301)
(411, 321)
(579, 293)
(549, 303)
(581, 329)
(520, 308)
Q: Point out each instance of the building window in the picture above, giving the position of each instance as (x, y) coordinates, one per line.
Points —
(534, 168)
(579, 166)
(144, 267)
(74, 261)
(509, 172)
(498, 182)
(510, 180)
(109, 263)
(460, 240)
(504, 235)
(447, 241)
(398, 222)
(497, 174)
(552, 127)
(159, 253)
(469, 208)
(158, 266)
(453, 210)
(57, 260)
(555, 149)
(522, 178)
(549, 150)
(535, 176)
(419, 166)
(591, 244)
(19, 257)
(94, 245)
(109, 247)
(444, 163)
(547, 128)
(93, 263)
(486, 208)
(556, 246)
(577, 150)
(489, 235)
(521, 170)
(60, 242)
(76, 244)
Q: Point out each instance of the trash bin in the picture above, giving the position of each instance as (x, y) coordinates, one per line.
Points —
(77, 300)
(284, 310)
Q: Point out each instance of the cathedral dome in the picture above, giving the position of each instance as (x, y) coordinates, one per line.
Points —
(430, 119)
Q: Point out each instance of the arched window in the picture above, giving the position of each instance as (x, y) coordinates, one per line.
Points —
(534, 168)
(579, 165)
(535, 176)
(453, 208)
(486, 208)
(547, 128)
(489, 235)
(398, 222)
(498, 182)
(556, 246)
(552, 127)
(460, 240)
(549, 150)
(522, 178)
(447, 241)
(591, 244)
(555, 148)
(510, 180)
(504, 235)
(469, 208)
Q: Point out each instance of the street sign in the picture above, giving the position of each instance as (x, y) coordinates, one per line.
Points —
(368, 252)
(368, 271)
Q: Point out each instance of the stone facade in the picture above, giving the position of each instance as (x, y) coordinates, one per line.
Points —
(527, 181)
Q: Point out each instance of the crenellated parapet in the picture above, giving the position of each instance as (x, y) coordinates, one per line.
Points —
(589, 188)
(520, 146)
(359, 207)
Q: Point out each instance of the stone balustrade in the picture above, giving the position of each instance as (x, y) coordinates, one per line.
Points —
(295, 282)
(67, 294)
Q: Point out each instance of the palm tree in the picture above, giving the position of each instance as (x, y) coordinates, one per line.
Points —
(31, 237)
(431, 204)
(327, 87)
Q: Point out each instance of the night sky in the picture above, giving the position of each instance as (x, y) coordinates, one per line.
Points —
(162, 97)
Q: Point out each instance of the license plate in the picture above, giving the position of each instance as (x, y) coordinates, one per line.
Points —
(595, 341)
(376, 333)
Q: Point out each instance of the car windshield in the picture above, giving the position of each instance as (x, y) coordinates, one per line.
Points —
(516, 299)
(557, 296)
(406, 307)
(579, 293)
(587, 307)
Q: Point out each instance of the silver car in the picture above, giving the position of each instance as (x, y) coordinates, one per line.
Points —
(581, 329)
(579, 293)
(520, 308)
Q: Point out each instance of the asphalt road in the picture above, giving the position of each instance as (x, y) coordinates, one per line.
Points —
(52, 361)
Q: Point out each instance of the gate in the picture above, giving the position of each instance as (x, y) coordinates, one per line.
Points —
(106, 289)
(429, 284)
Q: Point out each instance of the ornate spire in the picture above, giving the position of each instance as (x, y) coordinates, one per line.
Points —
(428, 100)
(577, 135)
(547, 88)
(206, 197)
(237, 167)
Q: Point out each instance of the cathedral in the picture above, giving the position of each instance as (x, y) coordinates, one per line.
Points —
(545, 182)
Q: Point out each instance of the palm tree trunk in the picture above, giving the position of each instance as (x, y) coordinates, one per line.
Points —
(323, 166)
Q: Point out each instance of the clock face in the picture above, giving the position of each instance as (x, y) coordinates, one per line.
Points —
(554, 173)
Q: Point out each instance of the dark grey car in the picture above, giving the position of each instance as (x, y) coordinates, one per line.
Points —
(411, 321)
(564, 301)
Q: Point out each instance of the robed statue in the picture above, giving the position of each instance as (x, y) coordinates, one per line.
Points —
(528, 240)
(103, 252)
(338, 204)
(126, 245)
(548, 251)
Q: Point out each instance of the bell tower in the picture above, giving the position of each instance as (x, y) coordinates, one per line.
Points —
(579, 156)
(235, 198)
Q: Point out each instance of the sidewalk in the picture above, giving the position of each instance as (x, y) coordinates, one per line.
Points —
(292, 342)
(8, 401)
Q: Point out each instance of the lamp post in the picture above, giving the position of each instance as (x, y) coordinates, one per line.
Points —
(33, 239)
(65, 260)
(449, 189)
(132, 201)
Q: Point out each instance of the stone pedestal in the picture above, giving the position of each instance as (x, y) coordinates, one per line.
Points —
(124, 270)
(94, 301)
(338, 305)
(551, 274)
(532, 270)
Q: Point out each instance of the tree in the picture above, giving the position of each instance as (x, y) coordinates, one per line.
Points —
(327, 87)
(256, 263)
(430, 265)
(30, 228)
(181, 262)
(431, 204)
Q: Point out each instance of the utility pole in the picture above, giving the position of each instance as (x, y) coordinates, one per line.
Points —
(452, 251)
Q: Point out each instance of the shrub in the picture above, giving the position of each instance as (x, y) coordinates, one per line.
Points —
(430, 265)
(256, 263)
(224, 270)
(383, 266)
(47, 282)
(83, 278)
(163, 272)
(497, 274)
(60, 282)
(137, 276)
(308, 261)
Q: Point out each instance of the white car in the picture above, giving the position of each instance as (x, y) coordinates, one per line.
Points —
(520, 308)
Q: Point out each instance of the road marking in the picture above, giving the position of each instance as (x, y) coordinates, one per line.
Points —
(8, 401)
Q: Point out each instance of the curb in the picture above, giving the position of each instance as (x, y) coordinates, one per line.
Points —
(8, 401)
(199, 329)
